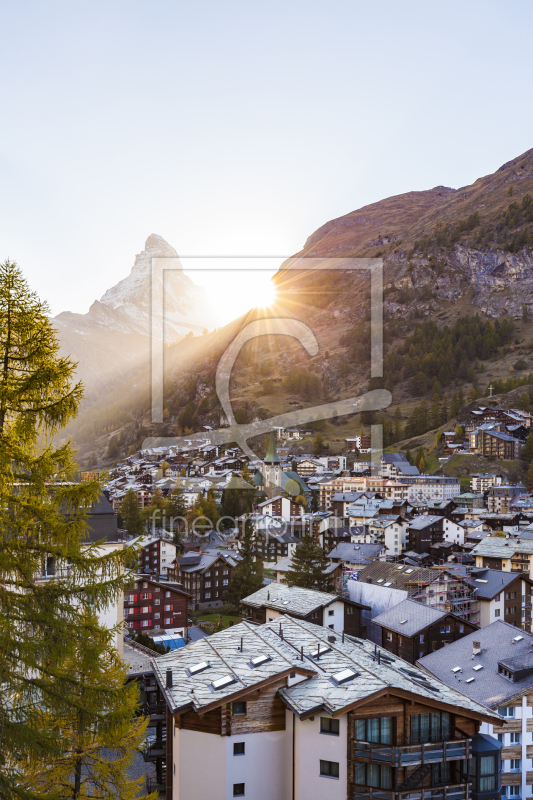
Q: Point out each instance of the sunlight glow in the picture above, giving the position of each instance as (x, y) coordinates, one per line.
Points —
(234, 286)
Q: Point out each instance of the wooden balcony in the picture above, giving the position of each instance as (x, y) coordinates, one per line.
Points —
(409, 755)
(458, 791)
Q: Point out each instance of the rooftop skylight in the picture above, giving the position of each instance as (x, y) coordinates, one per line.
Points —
(408, 571)
(456, 669)
(221, 683)
(388, 583)
(258, 660)
(320, 650)
(400, 567)
(199, 667)
(518, 638)
(380, 580)
(470, 680)
(477, 667)
(344, 676)
(403, 621)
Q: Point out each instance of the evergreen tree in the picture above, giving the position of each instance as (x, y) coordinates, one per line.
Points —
(530, 475)
(409, 456)
(397, 425)
(96, 710)
(318, 444)
(419, 457)
(308, 564)
(248, 575)
(176, 508)
(43, 522)
(454, 407)
(422, 465)
(113, 448)
(527, 452)
(131, 514)
(153, 514)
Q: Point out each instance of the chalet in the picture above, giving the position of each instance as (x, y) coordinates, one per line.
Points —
(494, 666)
(151, 604)
(205, 575)
(391, 531)
(155, 556)
(499, 498)
(321, 608)
(280, 506)
(290, 710)
(502, 595)
(273, 540)
(423, 532)
(509, 555)
(411, 630)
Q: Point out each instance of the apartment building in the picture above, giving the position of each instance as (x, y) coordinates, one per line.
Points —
(205, 575)
(432, 489)
(155, 556)
(494, 666)
(290, 711)
(411, 630)
(151, 604)
(509, 555)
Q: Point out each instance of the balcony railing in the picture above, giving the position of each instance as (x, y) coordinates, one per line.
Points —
(410, 754)
(458, 791)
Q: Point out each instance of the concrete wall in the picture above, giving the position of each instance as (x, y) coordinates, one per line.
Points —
(265, 768)
(310, 747)
(199, 766)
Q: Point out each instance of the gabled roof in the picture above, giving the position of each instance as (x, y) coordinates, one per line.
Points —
(356, 553)
(229, 653)
(498, 643)
(490, 582)
(424, 521)
(396, 576)
(498, 547)
(292, 599)
(409, 617)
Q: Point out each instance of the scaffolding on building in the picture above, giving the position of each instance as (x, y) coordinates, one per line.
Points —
(453, 595)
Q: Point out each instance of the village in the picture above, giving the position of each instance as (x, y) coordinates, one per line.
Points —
(409, 563)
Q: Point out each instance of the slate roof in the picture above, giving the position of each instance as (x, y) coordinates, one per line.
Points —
(496, 581)
(488, 686)
(497, 547)
(394, 458)
(292, 599)
(224, 657)
(284, 565)
(395, 575)
(196, 562)
(416, 617)
(419, 523)
(356, 553)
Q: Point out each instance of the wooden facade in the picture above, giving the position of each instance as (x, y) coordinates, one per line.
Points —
(437, 635)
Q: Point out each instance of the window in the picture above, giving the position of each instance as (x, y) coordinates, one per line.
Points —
(514, 791)
(168, 608)
(444, 628)
(389, 636)
(516, 738)
(145, 610)
(330, 726)
(510, 595)
(349, 609)
(516, 763)
(430, 727)
(238, 748)
(225, 582)
(208, 584)
(145, 595)
(157, 601)
(208, 595)
(329, 769)
(422, 638)
(377, 775)
(461, 628)
(168, 621)
(374, 730)
(497, 598)
(506, 711)
(238, 790)
(331, 613)
(497, 612)
(145, 623)
(511, 610)
(167, 594)
(239, 708)
(156, 616)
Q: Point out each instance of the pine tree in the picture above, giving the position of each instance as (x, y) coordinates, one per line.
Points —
(153, 514)
(419, 456)
(176, 508)
(318, 444)
(397, 425)
(454, 407)
(308, 566)
(409, 456)
(43, 522)
(131, 514)
(96, 710)
(527, 452)
(422, 465)
(530, 476)
(113, 448)
(248, 575)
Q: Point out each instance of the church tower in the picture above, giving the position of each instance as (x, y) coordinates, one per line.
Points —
(271, 465)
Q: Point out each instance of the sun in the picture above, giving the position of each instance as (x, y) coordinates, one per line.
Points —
(266, 294)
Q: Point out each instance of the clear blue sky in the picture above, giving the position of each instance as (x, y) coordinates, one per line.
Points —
(239, 127)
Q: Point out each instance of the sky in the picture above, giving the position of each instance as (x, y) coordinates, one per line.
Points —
(238, 128)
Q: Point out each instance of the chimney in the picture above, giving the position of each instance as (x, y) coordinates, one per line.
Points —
(476, 648)
(169, 679)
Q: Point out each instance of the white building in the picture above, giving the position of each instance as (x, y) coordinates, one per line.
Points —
(432, 489)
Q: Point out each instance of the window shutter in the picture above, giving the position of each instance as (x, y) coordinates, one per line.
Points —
(149, 595)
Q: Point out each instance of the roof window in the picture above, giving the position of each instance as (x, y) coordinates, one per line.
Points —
(477, 667)
(199, 667)
(320, 651)
(456, 669)
(470, 680)
(258, 660)
(344, 676)
(221, 683)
